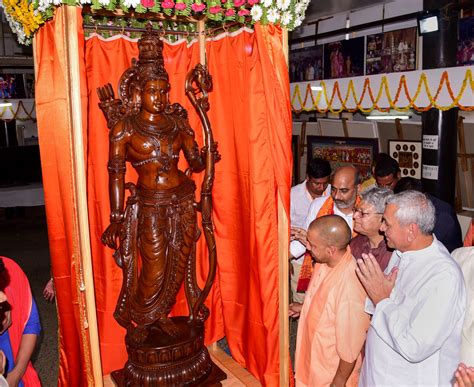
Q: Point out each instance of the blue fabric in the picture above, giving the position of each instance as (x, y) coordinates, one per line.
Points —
(33, 326)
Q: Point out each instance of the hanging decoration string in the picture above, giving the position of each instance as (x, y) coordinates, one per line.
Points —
(21, 113)
(351, 103)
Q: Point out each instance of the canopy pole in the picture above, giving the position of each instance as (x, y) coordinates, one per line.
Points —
(89, 321)
(283, 286)
(201, 25)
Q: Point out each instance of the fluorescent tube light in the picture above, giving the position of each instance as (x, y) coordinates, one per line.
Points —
(5, 104)
(316, 88)
(387, 117)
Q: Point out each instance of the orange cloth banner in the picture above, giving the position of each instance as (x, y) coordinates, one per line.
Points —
(251, 120)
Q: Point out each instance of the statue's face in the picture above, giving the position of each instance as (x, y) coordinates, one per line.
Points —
(154, 96)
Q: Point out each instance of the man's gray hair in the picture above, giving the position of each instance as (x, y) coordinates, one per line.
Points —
(377, 197)
(414, 207)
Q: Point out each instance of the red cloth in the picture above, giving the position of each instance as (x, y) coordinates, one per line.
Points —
(19, 296)
(361, 245)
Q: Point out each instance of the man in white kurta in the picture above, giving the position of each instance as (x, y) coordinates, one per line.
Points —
(345, 183)
(418, 305)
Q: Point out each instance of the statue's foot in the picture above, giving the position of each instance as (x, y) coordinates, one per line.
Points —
(168, 326)
(139, 334)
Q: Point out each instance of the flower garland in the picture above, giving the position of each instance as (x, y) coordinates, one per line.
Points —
(23, 18)
(26, 16)
(14, 114)
(383, 89)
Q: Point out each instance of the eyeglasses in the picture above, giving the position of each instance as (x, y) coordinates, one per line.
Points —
(363, 214)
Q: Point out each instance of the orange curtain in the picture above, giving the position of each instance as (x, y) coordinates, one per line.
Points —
(55, 147)
(251, 120)
(250, 114)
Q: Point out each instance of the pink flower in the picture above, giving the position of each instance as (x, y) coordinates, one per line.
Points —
(230, 12)
(167, 4)
(148, 3)
(253, 2)
(238, 3)
(223, 1)
(180, 6)
(198, 7)
(244, 12)
(215, 9)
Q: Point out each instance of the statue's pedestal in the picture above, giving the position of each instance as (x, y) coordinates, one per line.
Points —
(157, 358)
(212, 380)
(236, 375)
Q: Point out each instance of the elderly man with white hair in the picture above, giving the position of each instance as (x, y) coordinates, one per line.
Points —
(418, 304)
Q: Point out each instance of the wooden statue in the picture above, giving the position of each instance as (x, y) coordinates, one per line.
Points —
(157, 230)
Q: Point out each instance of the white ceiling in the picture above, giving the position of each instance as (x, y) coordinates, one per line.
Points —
(322, 8)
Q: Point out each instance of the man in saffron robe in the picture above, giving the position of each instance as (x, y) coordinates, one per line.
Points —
(333, 323)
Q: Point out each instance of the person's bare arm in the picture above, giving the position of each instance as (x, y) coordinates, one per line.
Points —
(343, 372)
(27, 346)
(294, 309)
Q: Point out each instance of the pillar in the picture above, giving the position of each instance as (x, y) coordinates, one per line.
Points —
(439, 128)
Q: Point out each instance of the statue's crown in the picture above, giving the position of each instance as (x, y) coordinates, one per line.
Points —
(150, 48)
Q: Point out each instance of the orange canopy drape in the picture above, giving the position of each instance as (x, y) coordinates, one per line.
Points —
(250, 116)
(55, 143)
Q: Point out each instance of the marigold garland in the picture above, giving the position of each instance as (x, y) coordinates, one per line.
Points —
(15, 114)
(383, 90)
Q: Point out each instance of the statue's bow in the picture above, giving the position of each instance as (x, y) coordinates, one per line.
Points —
(198, 96)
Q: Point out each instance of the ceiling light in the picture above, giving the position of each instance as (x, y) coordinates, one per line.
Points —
(316, 88)
(5, 104)
(427, 22)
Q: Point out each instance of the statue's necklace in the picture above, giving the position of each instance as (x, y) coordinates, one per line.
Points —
(156, 136)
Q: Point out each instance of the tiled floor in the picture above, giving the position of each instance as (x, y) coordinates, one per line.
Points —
(23, 237)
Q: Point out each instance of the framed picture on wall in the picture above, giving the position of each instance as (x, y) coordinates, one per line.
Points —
(408, 156)
(341, 151)
(12, 86)
(344, 58)
(391, 51)
(306, 64)
(295, 148)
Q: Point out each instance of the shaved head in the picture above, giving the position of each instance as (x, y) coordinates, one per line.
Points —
(348, 173)
(332, 229)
